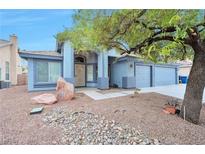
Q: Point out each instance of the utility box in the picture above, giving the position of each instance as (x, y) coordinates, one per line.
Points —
(4, 84)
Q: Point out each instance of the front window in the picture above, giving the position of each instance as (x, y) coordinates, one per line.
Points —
(54, 71)
(7, 71)
(47, 72)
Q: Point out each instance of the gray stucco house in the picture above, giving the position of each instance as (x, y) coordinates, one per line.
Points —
(94, 69)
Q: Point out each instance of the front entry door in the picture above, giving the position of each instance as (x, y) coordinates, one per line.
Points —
(80, 75)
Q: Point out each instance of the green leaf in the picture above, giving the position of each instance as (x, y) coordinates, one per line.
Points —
(96, 30)
(175, 20)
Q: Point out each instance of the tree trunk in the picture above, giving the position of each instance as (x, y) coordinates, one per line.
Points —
(192, 103)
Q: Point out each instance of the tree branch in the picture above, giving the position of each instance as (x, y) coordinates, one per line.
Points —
(157, 31)
(152, 40)
(117, 44)
(149, 41)
(193, 35)
(200, 24)
(118, 30)
(184, 53)
(127, 26)
(201, 30)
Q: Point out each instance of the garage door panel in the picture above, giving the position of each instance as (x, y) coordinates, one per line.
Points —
(164, 76)
(143, 76)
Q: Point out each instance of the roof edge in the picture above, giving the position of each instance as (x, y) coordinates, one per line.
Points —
(6, 44)
(39, 56)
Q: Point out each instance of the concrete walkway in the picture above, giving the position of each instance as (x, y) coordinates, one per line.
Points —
(177, 91)
(98, 96)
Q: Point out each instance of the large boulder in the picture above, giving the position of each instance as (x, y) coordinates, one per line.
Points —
(44, 99)
(65, 90)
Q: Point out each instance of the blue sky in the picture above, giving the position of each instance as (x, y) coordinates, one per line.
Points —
(35, 28)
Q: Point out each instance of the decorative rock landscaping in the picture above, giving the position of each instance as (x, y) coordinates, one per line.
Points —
(88, 128)
(145, 110)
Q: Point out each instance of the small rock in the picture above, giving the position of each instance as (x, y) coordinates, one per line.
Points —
(156, 141)
(116, 111)
(88, 128)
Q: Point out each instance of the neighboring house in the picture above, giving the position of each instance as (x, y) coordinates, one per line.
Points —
(94, 69)
(185, 67)
(10, 65)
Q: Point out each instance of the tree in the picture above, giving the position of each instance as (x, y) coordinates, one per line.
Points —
(157, 35)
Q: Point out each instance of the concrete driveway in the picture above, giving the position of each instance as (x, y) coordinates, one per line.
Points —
(177, 91)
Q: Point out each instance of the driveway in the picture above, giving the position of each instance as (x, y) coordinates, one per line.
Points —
(177, 91)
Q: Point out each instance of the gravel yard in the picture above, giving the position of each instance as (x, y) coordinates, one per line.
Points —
(87, 128)
(124, 120)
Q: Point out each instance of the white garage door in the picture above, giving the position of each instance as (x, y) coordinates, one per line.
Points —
(143, 76)
(164, 76)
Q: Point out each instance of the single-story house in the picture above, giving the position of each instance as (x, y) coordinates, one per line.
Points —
(94, 69)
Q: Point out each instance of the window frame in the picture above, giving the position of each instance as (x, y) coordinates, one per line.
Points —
(47, 61)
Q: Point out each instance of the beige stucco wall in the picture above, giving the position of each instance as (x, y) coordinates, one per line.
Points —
(4, 56)
(10, 53)
(184, 71)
